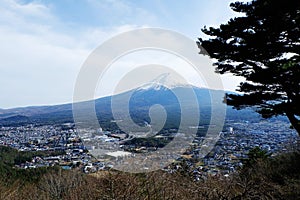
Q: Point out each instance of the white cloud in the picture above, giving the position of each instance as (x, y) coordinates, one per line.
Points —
(26, 18)
(42, 54)
(39, 64)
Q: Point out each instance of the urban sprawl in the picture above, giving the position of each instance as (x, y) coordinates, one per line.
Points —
(227, 155)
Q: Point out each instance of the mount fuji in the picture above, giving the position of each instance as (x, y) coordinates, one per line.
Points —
(160, 91)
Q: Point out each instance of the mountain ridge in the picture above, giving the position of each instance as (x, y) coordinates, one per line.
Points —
(140, 102)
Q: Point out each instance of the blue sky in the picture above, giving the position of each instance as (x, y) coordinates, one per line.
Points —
(45, 42)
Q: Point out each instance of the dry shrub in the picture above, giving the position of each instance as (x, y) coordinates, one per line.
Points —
(277, 178)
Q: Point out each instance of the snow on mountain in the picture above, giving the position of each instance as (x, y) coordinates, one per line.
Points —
(163, 82)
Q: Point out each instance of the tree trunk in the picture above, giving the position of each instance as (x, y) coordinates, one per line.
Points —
(294, 121)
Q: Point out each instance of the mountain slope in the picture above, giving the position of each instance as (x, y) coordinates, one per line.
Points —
(140, 102)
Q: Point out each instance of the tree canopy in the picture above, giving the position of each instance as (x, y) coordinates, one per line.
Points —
(263, 46)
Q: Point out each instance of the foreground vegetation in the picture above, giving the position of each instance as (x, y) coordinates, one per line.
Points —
(261, 45)
(261, 178)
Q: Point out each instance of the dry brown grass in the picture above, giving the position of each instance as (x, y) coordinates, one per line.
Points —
(275, 179)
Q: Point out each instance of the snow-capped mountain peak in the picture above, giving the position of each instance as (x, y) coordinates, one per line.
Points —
(163, 82)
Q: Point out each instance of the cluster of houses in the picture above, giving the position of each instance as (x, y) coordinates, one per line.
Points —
(60, 140)
(236, 141)
(226, 156)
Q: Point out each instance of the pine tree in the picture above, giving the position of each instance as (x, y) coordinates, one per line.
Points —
(264, 47)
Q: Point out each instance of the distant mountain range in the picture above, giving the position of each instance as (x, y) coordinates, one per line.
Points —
(141, 99)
